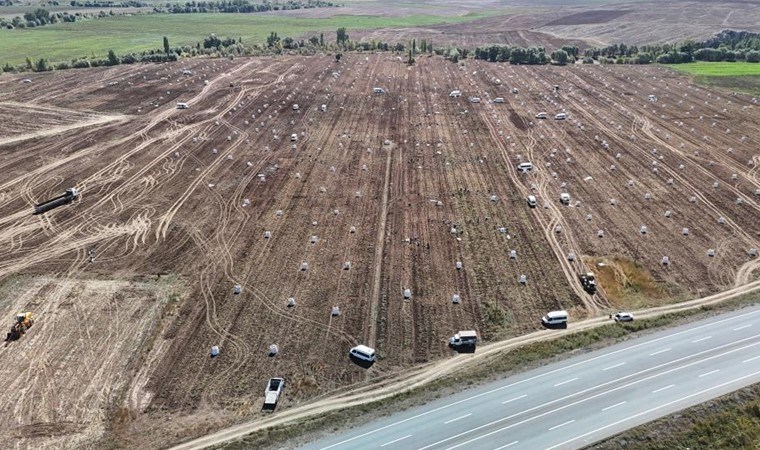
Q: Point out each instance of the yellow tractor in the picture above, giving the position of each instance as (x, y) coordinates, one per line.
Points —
(24, 321)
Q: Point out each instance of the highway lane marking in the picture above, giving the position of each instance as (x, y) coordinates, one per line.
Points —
(613, 406)
(396, 440)
(508, 445)
(616, 365)
(751, 359)
(454, 420)
(660, 351)
(709, 373)
(649, 411)
(513, 399)
(535, 377)
(663, 388)
(565, 382)
(701, 339)
(561, 425)
(593, 388)
(743, 327)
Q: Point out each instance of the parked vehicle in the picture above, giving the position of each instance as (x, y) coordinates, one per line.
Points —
(464, 338)
(541, 115)
(588, 282)
(272, 392)
(532, 201)
(623, 316)
(555, 319)
(560, 116)
(525, 167)
(363, 352)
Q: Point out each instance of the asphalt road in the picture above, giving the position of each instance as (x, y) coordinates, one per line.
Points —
(578, 401)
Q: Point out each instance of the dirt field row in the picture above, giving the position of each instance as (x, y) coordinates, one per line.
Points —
(181, 202)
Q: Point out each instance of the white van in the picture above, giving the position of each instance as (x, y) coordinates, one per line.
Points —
(293, 137)
(541, 115)
(525, 167)
(564, 198)
(475, 99)
(498, 100)
(532, 201)
(323, 108)
(560, 116)
(555, 319)
(363, 352)
(455, 93)
(181, 105)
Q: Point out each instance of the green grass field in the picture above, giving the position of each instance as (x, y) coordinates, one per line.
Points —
(64, 41)
(733, 76)
(718, 69)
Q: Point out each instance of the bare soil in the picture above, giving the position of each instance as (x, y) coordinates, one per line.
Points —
(427, 180)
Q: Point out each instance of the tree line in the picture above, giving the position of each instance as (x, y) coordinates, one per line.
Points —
(106, 4)
(41, 17)
(728, 45)
(239, 6)
(214, 46)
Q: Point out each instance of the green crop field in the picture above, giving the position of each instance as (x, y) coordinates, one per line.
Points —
(734, 76)
(719, 69)
(123, 34)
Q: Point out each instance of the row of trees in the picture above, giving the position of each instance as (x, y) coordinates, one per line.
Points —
(41, 17)
(106, 4)
(239, 6)
(215, 46)
(727, 45)
(519, 55)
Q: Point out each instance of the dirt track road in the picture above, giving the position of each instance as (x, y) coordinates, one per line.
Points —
(418, 377)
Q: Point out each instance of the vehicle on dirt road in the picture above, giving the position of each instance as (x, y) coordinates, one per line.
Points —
(623, 316)
(588, 282)
(24, 321)
(69, 196)
(555, 319)
(464, 338)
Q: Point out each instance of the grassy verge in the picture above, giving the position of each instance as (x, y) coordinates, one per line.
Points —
(728, 422)
(124, 34)
(734, 76)
(496, 367)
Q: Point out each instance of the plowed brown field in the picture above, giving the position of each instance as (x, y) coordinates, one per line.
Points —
(425, 179)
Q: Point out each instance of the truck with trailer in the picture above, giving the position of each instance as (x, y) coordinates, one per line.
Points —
(69, 196)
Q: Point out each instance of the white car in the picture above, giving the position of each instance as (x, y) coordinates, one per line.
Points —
(623, 317)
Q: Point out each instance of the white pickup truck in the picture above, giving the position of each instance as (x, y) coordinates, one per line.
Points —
(272, 392)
